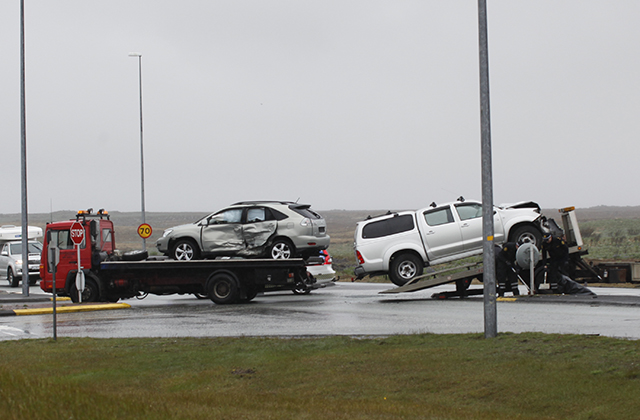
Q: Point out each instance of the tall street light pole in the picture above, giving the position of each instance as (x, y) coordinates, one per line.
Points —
(488, 259)
(23, 153)
(139, 55)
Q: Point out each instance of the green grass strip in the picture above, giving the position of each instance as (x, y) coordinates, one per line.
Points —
(514, 376)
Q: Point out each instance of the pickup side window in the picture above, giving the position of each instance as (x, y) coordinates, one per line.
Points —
(438, 217)
(388, 227)
(469, 211)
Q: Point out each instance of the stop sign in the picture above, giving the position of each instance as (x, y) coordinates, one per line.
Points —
(77, 233)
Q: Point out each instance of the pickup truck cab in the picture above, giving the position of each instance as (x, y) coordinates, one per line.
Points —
(401, 244)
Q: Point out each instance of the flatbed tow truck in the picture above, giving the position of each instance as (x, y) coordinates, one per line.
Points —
(110, 276)
(463, 275)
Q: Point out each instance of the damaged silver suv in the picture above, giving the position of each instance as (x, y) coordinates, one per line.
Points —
(250, 229)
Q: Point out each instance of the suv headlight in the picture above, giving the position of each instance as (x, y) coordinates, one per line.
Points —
(167, 232)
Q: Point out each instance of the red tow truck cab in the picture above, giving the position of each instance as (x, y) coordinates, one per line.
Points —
(98, 230)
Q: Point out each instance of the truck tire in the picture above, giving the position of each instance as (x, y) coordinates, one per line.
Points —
(301, 289)
(526, 233)
(91, 292)
(223, 289)
(137, 255)
(13, 280)
(185, 250)
(404, 268)
(281, 249)
(249, 293)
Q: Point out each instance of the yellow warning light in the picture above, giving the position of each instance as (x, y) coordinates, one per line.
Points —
(567, 209)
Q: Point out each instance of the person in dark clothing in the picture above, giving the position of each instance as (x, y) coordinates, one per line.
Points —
(507, 269)
(555, 256)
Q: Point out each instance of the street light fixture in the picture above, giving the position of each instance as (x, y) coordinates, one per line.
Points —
(139, 55)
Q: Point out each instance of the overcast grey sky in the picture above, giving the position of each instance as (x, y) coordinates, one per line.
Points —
(342, 104)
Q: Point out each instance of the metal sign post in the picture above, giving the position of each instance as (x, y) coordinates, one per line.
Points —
(54, 259)
(531, 271)
(77, 236)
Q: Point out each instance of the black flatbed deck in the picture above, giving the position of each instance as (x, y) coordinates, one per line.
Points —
(201, 264)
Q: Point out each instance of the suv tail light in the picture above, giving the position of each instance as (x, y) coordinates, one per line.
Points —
(359, 257)
(305, 222)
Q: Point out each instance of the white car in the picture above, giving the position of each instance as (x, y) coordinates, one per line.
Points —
(321, 269)
(401, 244)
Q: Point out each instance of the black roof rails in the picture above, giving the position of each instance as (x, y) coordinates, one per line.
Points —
(380, 215)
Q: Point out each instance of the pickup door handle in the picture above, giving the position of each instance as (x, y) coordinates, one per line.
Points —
(464, 225)
(430, 232)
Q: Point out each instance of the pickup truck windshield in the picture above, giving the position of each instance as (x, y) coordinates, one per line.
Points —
(34, 248)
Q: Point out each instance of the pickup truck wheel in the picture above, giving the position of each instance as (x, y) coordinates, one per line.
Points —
(525, 234)
(223, 289)
(404, 268)
(13, 280)
(185, 250)
(281, 249)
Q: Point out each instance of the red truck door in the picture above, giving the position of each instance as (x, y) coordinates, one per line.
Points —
(68, 254)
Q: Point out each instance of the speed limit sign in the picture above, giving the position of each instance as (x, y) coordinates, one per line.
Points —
(144, 230)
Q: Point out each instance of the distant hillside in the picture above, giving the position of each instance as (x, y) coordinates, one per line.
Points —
(341, 223)
(601, 213)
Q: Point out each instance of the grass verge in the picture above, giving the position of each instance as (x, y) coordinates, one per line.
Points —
(514, 376)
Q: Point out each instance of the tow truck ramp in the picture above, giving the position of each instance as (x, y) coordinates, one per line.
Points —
(462, 279)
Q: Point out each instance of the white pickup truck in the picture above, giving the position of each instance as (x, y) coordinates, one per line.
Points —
(401, 244)
(11, 253)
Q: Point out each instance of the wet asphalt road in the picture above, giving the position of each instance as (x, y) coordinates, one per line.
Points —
(345, 309)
